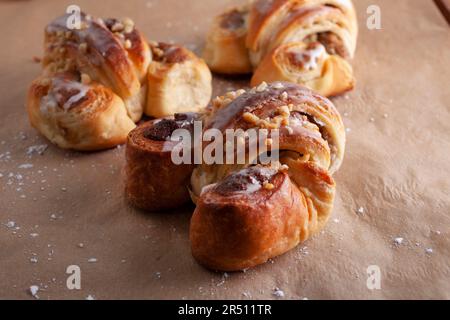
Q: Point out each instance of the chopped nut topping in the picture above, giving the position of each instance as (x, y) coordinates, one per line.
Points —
(84, 25)
(85, 79)
(127, 44)
(158, 52)
(83, 47)
(262, 87)
(128, 25)
(119, 35)
(68, 34)
(284, 111)
(268, 186)
(251, 118)
(278, 85)
(290, 130)
(117, 27)
(46, 82)
(284, 96)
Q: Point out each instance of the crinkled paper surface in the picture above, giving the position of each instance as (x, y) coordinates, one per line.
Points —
(64, 208)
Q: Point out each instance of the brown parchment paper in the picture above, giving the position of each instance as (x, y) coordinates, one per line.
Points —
(66, 208)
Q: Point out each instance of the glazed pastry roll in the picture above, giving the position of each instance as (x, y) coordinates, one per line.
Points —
(309, 127)
(309, 65)
(153, 181)
(225, 51)
(249, 213)
(247, 218)
(111, 52)
(178, 81)
(76, 115)
(273, 23)
(254, 215)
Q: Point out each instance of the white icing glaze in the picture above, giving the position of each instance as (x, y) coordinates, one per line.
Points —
(309, 57)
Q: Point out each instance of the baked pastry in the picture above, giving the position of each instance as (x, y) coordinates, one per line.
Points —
(178, 81)
(225, 51)
(280, 34)
(111, 52)
(248, 213)
(277, 22)
(76, 115)
(308, 64)
(153, 181)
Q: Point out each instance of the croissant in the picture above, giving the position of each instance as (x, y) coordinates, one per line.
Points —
(178, 81)
(276, 22)
(153, 181)
(110, 52)
(112, 57)
(225, 51)
(277, 28)
(309, 64)
(77, 116)
(247, 214)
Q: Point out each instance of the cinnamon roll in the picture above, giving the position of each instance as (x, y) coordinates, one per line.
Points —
(225, 51)
(178, 81)
(308, 64)
(308, 42)
(248, 213)
(111, 52)
(273, 23)
(76, 115)
(153, 181)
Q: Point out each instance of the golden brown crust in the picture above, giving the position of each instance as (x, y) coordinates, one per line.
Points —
(270, 22)
(247, 214)
(77, 116)
(234, 228)
(309, 65)
(225, 51)
(153, 181)
(178, 81)
(109, 52)
(272, 25)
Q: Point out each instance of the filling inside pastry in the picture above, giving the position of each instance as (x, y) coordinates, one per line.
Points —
(332, 43)
(321, 127)
(233, 20)
(163, 130)
(167, 53)
(248, 180)
(307, 59)
(66, 92)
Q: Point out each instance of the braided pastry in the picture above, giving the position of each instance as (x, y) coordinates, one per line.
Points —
(249, 213)
(280, 36)
(110, 57)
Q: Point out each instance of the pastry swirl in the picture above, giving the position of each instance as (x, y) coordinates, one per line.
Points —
(110, 52)
(178, 81)
(153, 181)
(249, 213)
(77, 116)
(225, 50)
(308, 42)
